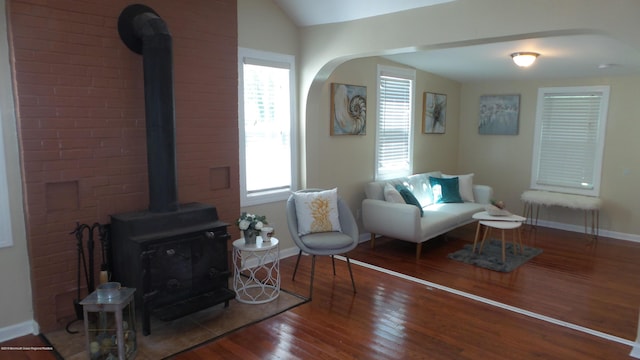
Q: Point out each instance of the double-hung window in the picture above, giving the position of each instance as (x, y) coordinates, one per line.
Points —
(6, 116)
(395, 122)
(569, 139)
(5, 216)
(266, 126)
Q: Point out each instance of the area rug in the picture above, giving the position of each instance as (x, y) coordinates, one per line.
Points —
(491, 257)
(172, 337)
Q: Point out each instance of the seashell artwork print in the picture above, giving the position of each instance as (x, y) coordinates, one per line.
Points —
(348, 109)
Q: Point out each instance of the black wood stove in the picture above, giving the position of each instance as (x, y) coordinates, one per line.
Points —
(177, 261)
(174, 255)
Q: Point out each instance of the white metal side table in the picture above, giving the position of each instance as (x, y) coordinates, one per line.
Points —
(256, 276)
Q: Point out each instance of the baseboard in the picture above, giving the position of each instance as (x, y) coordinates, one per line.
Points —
(292, 251)
(18, 330)
(580, 229)
(365, 237)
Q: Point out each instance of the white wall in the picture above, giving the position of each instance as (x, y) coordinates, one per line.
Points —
(16, 306)
(505, 161)
(348, 161)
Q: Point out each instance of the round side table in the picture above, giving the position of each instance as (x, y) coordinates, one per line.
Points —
(509, 222)
(256, 276)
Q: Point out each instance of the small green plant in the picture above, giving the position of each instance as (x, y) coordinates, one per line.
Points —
(251, 222)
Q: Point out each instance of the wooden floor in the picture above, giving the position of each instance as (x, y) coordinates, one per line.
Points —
(591, 287)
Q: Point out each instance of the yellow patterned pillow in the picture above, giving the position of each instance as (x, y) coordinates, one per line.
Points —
(317, 211)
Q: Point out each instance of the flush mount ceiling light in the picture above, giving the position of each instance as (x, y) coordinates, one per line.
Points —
(524, 59)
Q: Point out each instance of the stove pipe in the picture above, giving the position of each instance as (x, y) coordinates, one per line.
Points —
(144, 32)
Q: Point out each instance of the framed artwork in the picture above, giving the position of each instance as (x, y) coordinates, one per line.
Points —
(499, 114)
(348, 109)
(434, 113)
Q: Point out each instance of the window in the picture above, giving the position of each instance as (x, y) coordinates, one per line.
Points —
(395, 122)
(6, 116)
(569, 139)
(6, 238)
(266, 126)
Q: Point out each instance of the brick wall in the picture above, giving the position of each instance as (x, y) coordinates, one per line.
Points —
(80, 104)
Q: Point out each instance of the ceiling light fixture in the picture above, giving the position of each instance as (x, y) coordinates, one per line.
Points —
(524, 59)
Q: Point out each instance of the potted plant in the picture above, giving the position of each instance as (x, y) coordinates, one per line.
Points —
(250, 225)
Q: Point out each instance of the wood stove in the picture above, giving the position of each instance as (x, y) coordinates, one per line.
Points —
(178, 261)
(174, 255)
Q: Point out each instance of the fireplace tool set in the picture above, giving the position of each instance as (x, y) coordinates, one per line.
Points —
(87, 266)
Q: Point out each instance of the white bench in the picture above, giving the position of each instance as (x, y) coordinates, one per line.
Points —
(589, 204)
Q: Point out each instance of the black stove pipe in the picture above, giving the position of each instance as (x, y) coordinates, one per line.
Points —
(144, 32)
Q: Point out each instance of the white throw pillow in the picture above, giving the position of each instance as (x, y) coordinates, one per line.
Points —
(421, 189)
(465, 186)
(392, 195)
(317, 211)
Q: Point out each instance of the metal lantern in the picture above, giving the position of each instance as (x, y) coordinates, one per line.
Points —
(110, 323)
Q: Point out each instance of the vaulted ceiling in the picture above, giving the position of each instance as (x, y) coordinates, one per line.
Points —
(579, 55)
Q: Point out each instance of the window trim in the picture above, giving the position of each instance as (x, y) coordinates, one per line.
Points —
(6, 233)
(404, 73)
(266, 58)
(600, 138)
(7, 116)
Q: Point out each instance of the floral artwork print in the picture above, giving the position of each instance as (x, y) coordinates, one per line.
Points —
(434, 113)
(499, 114)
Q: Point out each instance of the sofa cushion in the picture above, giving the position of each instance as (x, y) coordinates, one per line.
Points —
(317, 211)
(465, 185)
(408, 197)
(326, 240)
(459, 212)
(445, 190)
(435, 222)
(375, 189)
(391, 194)
(419, 186)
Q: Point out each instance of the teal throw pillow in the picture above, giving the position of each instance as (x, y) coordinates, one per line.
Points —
(409, 198)
(445, 190)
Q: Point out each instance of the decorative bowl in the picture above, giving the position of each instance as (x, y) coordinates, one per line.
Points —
(496, 211)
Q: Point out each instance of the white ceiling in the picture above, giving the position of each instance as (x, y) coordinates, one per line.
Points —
(315, 12)
(561, 56)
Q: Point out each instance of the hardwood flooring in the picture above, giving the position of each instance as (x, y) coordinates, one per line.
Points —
(590, 288)
(591, 285)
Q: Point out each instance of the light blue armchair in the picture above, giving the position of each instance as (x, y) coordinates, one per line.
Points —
(324, 243)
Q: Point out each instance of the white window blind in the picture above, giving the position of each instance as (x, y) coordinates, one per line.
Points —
(395, 119)
(569, 143)
(266, 113)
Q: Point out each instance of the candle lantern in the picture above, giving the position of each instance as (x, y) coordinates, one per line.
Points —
(110, 323)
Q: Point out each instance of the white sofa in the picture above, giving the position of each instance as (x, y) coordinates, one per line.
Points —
(403, 221)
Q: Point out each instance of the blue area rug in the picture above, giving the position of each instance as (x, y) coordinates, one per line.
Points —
(491, 257)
